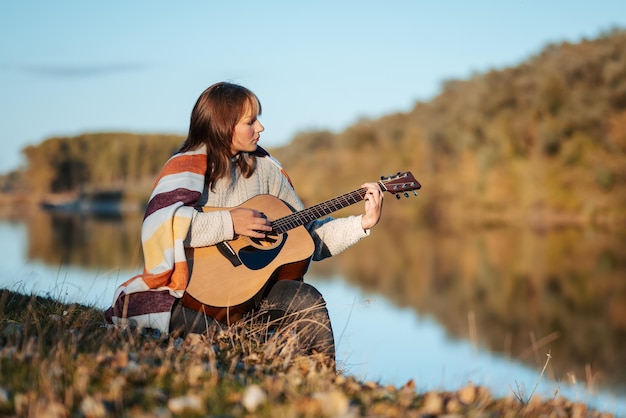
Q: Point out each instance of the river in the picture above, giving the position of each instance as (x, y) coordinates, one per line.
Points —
(441, 316)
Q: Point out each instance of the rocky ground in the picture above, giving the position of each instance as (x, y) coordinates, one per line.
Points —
(59, 360)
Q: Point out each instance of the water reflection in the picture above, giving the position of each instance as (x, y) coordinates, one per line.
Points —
(511, 291)
(95, 242)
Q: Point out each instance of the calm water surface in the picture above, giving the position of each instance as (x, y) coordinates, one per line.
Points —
(376, 339)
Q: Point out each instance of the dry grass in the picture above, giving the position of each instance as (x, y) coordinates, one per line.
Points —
(60, 360)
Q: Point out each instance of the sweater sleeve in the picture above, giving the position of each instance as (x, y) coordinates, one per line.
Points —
(334, 235)
(209, 228)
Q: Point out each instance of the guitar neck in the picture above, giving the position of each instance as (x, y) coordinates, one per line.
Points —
(307, 215)
(400, 183)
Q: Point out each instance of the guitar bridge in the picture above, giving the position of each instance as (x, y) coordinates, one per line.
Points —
(227, 251)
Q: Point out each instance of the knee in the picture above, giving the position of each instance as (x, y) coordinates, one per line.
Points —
(299, 296)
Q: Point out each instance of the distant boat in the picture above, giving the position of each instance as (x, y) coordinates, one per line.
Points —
(103, 202)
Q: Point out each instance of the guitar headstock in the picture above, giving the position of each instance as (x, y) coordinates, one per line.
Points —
(400, 183)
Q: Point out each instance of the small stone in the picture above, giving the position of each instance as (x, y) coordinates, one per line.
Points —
(188, 403)
(47, 409)
(21, 401)
(453, 406)
(253, 396)
(535, 401)
(253, 358)
(193, 339)
(92, 408)
(340, 379)
(82, 377)
(120, 359)
(370, 385)
(483, 394)
(467, 394)
(579, 410)
(55, 317)
(333, 403)
(432, 404)
(194, 374)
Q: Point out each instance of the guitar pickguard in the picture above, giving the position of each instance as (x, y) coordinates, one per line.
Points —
(256, 257)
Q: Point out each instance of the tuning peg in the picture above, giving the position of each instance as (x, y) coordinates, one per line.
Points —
(397, 196)
(414, 193)
(406, 194)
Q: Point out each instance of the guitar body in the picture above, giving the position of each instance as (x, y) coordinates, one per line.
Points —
(225, 278)
(230, 274)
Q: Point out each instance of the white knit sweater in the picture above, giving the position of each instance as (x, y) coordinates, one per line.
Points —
(331, 236)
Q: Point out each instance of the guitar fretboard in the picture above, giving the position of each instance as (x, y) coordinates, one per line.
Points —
(307, 215)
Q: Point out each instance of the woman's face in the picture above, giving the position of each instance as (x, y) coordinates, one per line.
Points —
(246, 132)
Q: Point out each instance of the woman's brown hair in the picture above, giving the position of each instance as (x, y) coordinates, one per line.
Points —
(213, 120)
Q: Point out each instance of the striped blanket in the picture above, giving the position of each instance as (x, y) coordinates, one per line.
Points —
(146, 300)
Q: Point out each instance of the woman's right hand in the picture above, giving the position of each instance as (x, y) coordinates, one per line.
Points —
(250, 222)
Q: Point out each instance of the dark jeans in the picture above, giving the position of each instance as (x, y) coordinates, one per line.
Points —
(286, 305)
(298, 305)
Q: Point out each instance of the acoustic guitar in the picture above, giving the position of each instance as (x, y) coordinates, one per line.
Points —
(231, 273)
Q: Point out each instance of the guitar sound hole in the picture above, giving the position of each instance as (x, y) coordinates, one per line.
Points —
(262, 251)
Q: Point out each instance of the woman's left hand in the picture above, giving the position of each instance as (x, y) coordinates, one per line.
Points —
(373, 205)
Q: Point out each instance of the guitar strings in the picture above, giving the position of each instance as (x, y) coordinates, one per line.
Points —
(294, 220)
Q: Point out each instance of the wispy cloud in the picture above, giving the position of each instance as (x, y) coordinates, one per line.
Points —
(75, 71)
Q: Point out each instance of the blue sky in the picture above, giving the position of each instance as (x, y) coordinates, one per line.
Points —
(70, 67)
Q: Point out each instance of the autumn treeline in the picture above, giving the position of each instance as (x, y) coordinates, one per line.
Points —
(98, 161)
(542, 142)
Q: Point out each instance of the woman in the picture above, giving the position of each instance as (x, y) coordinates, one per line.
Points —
(220, 165)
